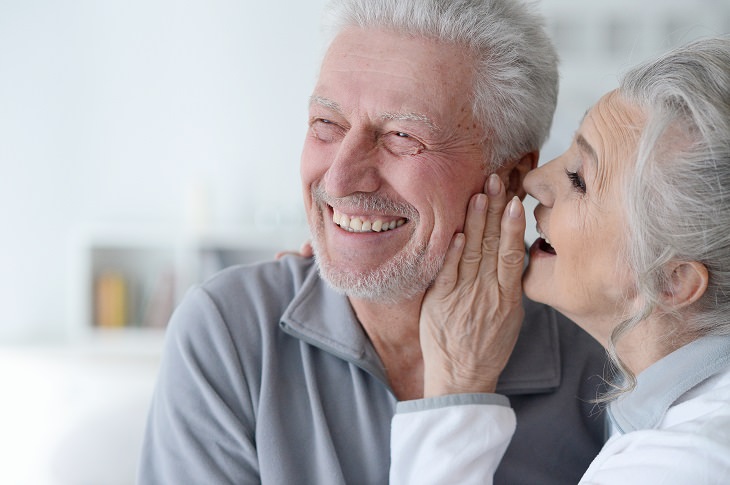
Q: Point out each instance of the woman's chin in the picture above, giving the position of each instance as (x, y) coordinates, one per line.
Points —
(532, 288)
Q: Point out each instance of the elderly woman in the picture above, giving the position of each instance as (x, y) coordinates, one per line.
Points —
(634, 224)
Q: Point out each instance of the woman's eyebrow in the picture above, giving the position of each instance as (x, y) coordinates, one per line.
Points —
(586, 147)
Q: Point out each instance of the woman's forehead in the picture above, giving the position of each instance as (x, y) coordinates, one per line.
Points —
(612, 128)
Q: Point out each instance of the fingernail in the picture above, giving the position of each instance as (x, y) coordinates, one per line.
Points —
(480, 202)
(515, 208)
(493, 185)
(458, 240)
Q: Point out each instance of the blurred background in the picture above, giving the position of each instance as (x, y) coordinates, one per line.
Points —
(145, 145)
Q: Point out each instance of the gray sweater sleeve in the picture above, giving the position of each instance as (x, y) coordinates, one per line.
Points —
(201, 423)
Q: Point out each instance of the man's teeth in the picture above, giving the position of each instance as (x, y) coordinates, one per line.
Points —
(357, 224)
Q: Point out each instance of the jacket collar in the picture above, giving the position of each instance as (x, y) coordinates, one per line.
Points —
(321, 317)
(324, 318)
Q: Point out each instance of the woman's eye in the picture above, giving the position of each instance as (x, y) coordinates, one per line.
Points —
(325, 130)
(401, 143)
(576, 181)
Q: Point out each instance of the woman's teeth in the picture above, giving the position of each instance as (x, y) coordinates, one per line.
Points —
(545, 244)
(359, 224)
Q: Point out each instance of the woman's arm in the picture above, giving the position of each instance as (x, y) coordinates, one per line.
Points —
(470, 320)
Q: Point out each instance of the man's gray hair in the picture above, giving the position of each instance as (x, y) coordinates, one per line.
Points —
(678, 194)
(515, 64)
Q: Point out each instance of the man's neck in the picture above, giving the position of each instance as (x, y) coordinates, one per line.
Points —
(393, 331)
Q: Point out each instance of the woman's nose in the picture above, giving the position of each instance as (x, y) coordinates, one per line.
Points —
(539, 183)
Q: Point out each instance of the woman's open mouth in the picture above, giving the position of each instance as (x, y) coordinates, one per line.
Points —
(544, 245)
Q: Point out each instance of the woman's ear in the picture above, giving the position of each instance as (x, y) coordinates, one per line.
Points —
(513, 174)
(687, 283)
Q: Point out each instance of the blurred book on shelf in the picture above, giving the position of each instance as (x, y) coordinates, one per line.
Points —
(112, 302)
(120, 301)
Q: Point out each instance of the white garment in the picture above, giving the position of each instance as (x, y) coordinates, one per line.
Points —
(419, 425)
(674, 429)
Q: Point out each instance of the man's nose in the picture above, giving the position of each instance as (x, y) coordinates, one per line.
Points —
(355, 168)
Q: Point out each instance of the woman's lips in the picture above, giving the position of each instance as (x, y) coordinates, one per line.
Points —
(542, 245)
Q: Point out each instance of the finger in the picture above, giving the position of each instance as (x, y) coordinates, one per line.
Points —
(448, 276)
(473, 233)
(491, 240)
(512, 251)
(281, 254)
(306, 250)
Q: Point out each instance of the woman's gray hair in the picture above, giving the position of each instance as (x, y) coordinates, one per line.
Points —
(678, 194)
(515, 64)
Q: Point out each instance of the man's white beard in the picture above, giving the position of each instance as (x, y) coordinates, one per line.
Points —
(405, 276)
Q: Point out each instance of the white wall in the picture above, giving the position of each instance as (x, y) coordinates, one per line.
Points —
(598, 40)
(123, 111)
(117, 111)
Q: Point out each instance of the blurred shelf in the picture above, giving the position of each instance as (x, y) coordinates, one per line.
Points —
(127, 280)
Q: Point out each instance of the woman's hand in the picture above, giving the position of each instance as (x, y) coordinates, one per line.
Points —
(471, 316)
(305, 251)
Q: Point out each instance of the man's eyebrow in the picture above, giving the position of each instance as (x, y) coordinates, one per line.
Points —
(325, 102)
(410, 116)
(586, 147)
(417, 117)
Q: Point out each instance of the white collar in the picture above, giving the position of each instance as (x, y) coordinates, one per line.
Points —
(665, 381)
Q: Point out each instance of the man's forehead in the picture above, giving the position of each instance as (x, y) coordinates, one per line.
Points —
(384, 76)
(406, 51)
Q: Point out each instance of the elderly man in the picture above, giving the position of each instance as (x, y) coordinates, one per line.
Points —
(290, 371)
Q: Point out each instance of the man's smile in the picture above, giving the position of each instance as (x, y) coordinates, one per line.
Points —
(361, 223)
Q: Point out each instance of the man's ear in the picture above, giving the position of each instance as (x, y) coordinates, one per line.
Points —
(687, 283)
(513, 174)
